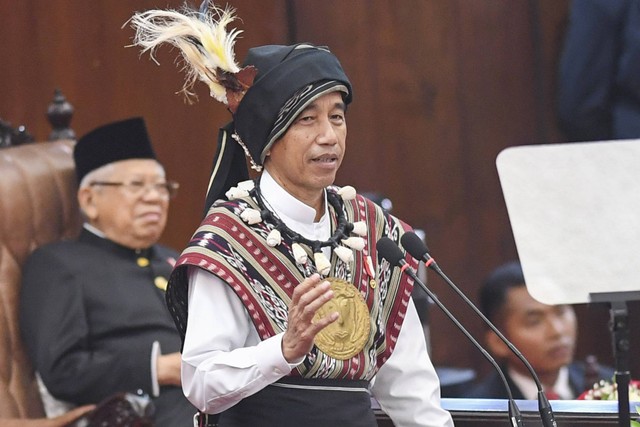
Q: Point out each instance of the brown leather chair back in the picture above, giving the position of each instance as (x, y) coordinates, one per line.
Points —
(38, 205)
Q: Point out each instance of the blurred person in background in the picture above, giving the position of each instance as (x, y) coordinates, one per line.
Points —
(545, 335)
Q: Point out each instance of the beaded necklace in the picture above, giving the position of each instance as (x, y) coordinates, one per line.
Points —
(342, 230)
(340, 241)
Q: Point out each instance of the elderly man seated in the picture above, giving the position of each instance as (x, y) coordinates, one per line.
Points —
(92, 313)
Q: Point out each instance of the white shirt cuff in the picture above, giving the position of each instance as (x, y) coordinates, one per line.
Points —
(271, 363)
(155, 353)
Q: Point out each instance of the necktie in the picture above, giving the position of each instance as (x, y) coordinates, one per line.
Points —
(551, 394)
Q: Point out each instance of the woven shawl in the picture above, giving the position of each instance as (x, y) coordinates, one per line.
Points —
(264, 278)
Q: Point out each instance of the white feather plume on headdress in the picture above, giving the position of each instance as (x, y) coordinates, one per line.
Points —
(205, 45)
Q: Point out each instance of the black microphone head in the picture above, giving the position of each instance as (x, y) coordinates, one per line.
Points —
(414, 245)
(389, 251)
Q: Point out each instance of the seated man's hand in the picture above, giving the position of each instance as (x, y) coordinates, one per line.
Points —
(60, 421)
(169, 369)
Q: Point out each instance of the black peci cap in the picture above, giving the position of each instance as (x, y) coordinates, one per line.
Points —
(122, 140)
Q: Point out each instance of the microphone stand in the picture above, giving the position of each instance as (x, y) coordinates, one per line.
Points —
(620, 336)
(619, 327)
(411, 241)
(391, 252)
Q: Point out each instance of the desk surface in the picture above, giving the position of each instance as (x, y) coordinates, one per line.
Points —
(493, 412)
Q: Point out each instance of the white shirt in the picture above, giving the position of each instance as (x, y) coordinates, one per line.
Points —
(224, 360)
(529, 389)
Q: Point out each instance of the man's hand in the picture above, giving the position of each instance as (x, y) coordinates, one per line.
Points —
(307, 298)
(169, 369)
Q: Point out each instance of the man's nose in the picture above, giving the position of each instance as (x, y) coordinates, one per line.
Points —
(557, 325)
(154, 192)
(327, 133)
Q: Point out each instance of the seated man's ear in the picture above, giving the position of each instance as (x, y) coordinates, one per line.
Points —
(86, 201)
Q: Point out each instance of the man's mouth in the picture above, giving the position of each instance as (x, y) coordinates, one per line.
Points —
(325, 158)
(151, 216)
(561, 351)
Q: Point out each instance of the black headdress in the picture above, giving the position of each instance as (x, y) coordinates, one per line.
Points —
(263, 104)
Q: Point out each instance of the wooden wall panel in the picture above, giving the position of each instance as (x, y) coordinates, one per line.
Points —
(441, 87)
(79, 47)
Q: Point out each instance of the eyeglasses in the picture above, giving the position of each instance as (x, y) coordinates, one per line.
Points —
(167, 189)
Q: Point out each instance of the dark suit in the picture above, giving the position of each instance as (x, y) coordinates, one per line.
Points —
(599, 77)
(492, 387)
(89, 314)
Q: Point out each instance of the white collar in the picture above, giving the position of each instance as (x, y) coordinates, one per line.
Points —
(285, 205)
(296, 215)
(530, 391)
(94, 230)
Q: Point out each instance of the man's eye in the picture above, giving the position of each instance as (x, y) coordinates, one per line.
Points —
(533, 320)
(136, 184)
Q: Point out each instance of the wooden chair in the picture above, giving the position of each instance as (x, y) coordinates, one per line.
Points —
(37, 205)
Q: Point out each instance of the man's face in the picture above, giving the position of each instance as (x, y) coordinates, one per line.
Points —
(132, 220)
(306, 159)
(546, 335)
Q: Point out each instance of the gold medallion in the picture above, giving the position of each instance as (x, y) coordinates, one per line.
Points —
(347, 336)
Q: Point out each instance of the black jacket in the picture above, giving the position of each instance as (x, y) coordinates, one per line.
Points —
(90, 311)
(492, 387)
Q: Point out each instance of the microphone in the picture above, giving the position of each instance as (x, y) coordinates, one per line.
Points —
(418, 249)
(390, 251)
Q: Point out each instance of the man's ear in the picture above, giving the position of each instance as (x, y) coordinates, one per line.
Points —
(86, 201)
(496, 347)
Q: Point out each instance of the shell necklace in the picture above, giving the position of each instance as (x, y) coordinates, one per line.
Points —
(340, 241)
